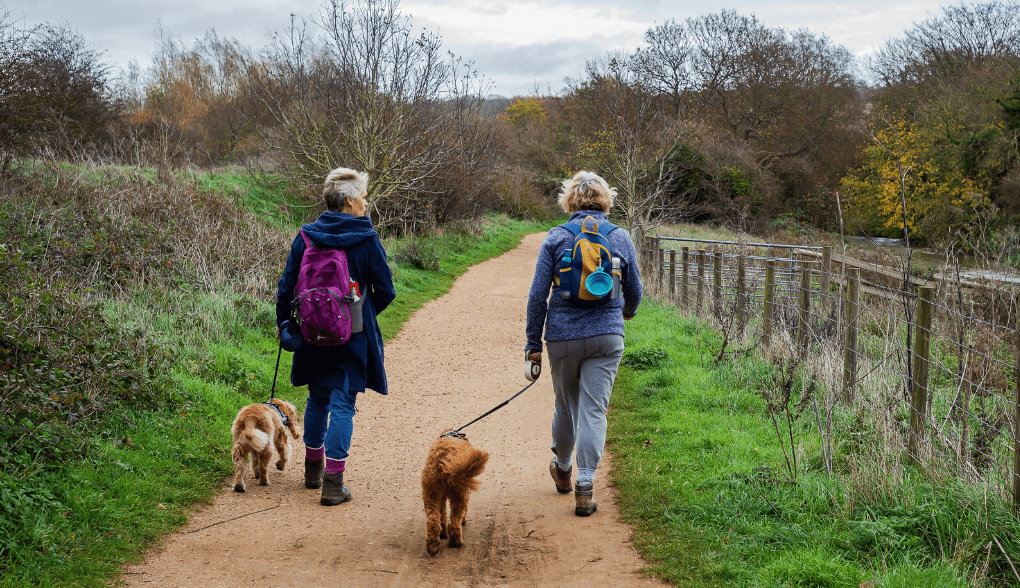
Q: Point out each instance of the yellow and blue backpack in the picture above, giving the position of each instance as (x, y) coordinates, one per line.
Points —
(584, 274)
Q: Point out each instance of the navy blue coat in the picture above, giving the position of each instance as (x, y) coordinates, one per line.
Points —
(361, 358)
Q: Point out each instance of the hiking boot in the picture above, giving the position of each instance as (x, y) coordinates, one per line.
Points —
(584, 503)
(333, 490)
(313, 472)
(562, 478)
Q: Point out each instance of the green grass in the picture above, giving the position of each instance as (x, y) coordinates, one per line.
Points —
(73, 518)
(257, 195)
(700, 472)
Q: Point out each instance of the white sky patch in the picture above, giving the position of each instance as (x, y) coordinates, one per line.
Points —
(517, 24)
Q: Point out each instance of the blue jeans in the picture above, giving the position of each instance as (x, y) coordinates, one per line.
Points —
(329, 419)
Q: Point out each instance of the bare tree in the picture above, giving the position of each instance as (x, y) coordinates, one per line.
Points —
(940, 46)
(632, 142)
(371, 93)
(666, 64)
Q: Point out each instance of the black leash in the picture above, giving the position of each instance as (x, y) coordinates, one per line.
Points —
(272, 393)
(456, 432)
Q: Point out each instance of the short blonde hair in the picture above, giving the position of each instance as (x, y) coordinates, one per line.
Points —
(343, 185)
(586, 191)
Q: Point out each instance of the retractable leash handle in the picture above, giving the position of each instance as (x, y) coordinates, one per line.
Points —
(532, 369)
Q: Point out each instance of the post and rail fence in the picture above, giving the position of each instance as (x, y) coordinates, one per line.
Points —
(935, 354)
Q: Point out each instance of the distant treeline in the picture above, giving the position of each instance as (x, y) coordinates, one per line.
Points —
(716, 118)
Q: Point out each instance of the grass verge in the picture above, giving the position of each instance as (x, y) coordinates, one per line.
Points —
(699, 470)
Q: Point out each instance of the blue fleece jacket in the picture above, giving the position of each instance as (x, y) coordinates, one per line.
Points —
(561, 319)
(361, 358)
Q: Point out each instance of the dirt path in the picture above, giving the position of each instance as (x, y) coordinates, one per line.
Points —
(457, 357)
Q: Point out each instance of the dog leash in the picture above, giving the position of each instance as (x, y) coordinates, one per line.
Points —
(456, 432)
(272, 393)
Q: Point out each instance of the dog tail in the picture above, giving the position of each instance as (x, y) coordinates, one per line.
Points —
(248, 440)
(254, 438)
(463, 472)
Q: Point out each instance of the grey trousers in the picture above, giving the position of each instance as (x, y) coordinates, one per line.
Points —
(583, 371)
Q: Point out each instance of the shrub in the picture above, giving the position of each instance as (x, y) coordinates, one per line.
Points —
(419, 254)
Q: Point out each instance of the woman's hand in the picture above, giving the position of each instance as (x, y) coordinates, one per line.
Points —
(535, 356)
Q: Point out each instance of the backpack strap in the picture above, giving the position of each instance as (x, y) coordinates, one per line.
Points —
(308, 242)
(604, 228)
(573, 228)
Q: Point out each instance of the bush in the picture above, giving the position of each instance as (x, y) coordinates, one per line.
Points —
(520, 197)
(53, 92)
(419, 254)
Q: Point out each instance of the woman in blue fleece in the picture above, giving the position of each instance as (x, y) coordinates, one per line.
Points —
(334, 375)
(585, 345)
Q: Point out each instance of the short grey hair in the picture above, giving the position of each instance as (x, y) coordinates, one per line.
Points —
(586, 191)
(344, 184)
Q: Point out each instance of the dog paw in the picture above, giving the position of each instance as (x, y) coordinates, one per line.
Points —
(432, 546)
(443, 535)
(238, 487)
(456, 542)
(280, 465)
(264, 481)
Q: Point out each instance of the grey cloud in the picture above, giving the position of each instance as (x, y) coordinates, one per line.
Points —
(124, 29)
(517, 70)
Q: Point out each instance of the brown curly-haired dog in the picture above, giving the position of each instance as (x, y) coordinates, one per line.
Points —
(449, 476)
(253, 429)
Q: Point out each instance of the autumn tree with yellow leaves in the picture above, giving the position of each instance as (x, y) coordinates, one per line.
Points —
(911, 176)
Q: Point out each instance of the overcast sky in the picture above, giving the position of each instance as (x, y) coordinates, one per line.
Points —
(518, 45)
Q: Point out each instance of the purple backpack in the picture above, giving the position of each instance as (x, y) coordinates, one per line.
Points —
(323, 295)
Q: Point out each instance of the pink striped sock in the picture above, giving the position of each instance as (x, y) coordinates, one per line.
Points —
(315, 454)
(335, 466)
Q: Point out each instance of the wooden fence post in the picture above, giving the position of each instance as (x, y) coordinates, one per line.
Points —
(686, 265)
(717, 279)
(1016, 429)
(741, 315)
(646, 252)
(919, 385)
(650, 258)
(804, 321)
(826, 270)
(853, 301)
(702, 260)
(965, 433)
(770, 301)
(662, 263)
(672, 274)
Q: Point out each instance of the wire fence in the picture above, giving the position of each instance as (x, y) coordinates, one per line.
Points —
(936, 365)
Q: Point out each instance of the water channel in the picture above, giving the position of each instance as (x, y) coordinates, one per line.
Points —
(971, 268)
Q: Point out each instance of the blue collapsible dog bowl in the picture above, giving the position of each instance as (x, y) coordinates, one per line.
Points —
(599, 283)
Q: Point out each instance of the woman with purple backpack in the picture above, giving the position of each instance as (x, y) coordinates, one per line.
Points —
(335, 374)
